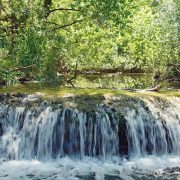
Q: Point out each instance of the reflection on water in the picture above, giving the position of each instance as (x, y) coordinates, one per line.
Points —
(115, 81)
(104, 81)
(120, 81)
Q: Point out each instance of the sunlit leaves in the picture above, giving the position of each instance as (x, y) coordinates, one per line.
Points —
(96, 34)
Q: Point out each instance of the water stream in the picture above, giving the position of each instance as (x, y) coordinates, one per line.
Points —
(140, 140)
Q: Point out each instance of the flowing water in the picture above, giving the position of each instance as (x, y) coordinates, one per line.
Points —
(138, 140)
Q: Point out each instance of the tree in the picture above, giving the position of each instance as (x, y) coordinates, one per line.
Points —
(100, 34)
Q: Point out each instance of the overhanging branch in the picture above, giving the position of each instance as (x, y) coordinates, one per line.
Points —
(66, 25)
(63, 9)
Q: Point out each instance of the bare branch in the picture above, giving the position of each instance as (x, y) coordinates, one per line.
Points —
(168, 66)
(63, 9)
(66, 25)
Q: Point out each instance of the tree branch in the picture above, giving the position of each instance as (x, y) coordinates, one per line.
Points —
(63, 9)
(66, 25)
(74, 76)
(168, 66)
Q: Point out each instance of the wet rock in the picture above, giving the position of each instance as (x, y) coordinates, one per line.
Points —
(2, 97)
(86, 177)
(123, 142)
(113, 109)
(1, 129)
(44, 104)
(20, 95)
(4, 176)
(112, 177)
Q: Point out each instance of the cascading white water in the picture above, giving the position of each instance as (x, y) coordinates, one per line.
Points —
(28, 134)
(154, 129)
(45, 138)
(44, 133)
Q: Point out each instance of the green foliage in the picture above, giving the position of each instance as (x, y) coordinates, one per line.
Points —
(96, 34)
(152, 40)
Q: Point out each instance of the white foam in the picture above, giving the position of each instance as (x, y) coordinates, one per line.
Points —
(67, 168)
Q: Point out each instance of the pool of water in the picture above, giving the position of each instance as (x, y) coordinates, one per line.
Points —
(115, 81)
(120, 81)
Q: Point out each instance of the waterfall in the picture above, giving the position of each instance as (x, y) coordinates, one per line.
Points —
(136, 128)
(28, 134)
(154, 129)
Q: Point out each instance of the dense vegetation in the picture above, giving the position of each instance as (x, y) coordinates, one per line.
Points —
(52, 37)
